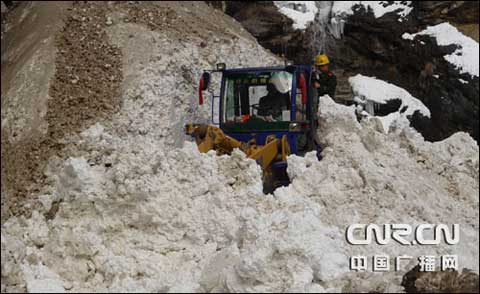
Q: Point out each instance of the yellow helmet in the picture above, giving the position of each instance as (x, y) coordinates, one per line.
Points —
(321, 59)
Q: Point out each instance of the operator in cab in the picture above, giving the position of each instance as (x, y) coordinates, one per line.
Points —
(277, 99)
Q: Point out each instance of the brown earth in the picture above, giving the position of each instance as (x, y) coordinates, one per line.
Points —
(81, 84)
(85, 88)
(415, 281)
(470, 30)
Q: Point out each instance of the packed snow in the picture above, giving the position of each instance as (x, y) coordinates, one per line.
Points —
(367, 89)
(301, 12)
(379, 8)
(465, 57)
(158, 220)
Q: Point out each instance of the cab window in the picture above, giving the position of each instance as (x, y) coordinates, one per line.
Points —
(264, 96)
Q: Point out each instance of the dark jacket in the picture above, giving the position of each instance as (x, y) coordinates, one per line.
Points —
(328, 83)
(273, 103)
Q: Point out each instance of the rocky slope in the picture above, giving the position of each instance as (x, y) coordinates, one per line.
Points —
(59, 74)
(372, 45)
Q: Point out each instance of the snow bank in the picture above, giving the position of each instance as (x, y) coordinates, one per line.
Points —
(378, 91)
(301, 12)
(379, 8)
(136, 214)
(175, 221)
(367, 177)
(181, 221)
(465, 58)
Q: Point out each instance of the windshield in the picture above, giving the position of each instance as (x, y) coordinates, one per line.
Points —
(262, 95)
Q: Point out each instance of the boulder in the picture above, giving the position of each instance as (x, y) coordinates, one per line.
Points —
(373, 46)
(272, 29)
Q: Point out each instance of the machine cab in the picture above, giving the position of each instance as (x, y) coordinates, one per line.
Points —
(258, 102)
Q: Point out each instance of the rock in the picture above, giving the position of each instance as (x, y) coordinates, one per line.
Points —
(4, 8)
(272, 29)
(374, 47)
(46, 201)
(67, 285)
(415, 281)
(109, 21)
(434, 12)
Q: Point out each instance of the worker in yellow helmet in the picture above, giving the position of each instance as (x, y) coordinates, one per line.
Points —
(323, 79)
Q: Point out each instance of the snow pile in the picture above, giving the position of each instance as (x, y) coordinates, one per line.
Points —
(465, 58)
(128, 212)
(172, 221)
(301, 12)
(379, 8)
(369, 89)
(180, 221)
(366, 177)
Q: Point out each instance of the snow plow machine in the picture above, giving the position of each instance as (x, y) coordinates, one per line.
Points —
(266, 112)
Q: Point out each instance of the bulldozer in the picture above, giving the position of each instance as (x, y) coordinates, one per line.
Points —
(266, 112)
